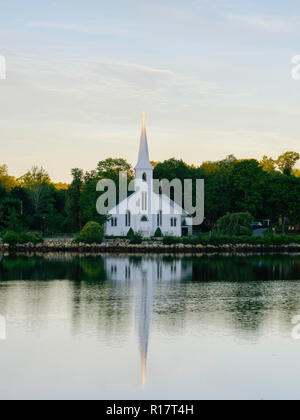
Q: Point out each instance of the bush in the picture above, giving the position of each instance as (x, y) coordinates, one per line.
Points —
(130, 234)
(171, 240)
(13, 238)
(25, 238)
(136, 238)
(158, 233)
(92, 232)
(235, 224)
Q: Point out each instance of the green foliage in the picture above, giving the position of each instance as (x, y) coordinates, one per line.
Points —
(247, 182)
(13, 222)
(171, 240)
(235, 224)
(268, 164)
(287, 161)
(29, 238)
(73, 200)
(13, 238)
(130, 233)
(92, 232)
(10, 218)
(6, 181)
(158, 233)
(269, 189)
(136, 238)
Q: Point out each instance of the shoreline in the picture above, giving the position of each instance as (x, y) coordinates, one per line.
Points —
(145, 248)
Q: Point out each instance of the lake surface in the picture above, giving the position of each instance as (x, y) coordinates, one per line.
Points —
(153, 327)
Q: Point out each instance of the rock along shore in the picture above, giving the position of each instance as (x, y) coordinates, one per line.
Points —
(123, 246)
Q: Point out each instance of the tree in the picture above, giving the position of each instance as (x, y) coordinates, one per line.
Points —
(287, 161)
(36, 181)
(210, 168)
(110, 169)
(268, 164)
(106, 169)
(228, 163)
(172, 168)
(10, 211)
(296, 173)
(13, 222)
(7, 182)
(73, 199)
(87, 203)
(235, 224)
(247, 183)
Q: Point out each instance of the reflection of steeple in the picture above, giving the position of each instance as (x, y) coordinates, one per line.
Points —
(145, 273)
(144, 308)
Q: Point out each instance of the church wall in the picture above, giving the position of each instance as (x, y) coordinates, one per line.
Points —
(147, 228)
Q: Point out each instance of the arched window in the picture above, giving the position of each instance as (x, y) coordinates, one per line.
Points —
(128, 219)
(145, 177)
(159, 218)
(144, 219)
(144, 200)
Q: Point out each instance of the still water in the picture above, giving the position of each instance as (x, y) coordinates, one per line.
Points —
(153, 327)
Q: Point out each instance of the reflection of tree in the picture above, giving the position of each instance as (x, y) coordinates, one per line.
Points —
(251, 268)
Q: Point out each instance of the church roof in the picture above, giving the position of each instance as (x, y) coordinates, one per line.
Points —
(143, 159)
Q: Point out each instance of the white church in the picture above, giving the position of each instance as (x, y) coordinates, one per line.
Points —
(144, 211)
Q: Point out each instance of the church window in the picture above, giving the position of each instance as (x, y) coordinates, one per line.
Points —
(114, 221)
(128, 219)
(144, 219)
(173, 221)
(159, 218)
(145, 177)
(144, 201)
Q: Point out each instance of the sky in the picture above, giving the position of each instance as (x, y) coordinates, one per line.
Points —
(214, 78)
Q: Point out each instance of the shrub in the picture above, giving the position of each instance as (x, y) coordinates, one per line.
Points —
(171, 240)
(92, 232)
(158, 233)
(25, 238)
(235, 224)
(130, 234)
(136, 238)
(13, 238)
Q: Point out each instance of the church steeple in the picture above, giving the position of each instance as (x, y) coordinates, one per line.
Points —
(143, 159)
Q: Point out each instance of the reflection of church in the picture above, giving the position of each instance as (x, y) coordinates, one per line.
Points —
(155, 269)
(145, 273)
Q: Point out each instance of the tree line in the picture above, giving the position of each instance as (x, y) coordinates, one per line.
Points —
(268, 189)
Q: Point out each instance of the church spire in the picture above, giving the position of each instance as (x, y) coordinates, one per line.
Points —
(143, 159)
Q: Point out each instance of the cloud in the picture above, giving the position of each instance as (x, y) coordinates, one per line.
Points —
(158, 10)
(88, 29)
(265, 22)
(112, 79)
